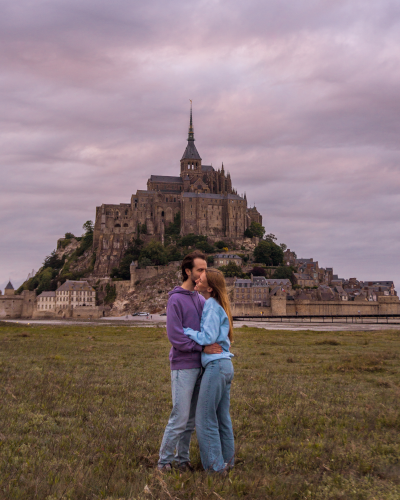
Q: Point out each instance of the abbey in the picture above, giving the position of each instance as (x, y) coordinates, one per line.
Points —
(204, 197)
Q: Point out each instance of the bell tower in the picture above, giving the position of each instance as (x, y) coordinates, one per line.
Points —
(190, 161)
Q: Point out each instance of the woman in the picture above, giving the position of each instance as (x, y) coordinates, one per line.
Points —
(213, 422)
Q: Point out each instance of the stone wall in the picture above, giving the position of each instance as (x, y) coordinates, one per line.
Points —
(11, 306)
(279, 307)
(17, 306)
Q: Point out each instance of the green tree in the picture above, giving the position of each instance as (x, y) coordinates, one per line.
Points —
(231, 270)
(220, 244)
(132, 254)
(88, 227)
(155, 252)
(270, 237)
(283, 246)
(269, 253)
(255, 229)
(173, 230)
(284, 272)
(69, 236)
(258, 271)
(144, 262)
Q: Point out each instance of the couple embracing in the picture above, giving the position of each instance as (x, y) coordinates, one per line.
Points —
(199, 328)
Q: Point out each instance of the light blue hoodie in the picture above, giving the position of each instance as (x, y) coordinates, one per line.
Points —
(214, 327)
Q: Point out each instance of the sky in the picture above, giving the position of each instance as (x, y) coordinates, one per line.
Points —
(299, 100)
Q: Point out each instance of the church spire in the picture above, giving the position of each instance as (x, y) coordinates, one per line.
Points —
(191, 131)
(191, 152)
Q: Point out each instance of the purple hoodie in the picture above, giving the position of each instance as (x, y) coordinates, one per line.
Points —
(184, 310)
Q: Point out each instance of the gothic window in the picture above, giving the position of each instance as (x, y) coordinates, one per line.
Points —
(117, 225)
(126, 212)
(162, 213)
(166, 199)
(125, 225)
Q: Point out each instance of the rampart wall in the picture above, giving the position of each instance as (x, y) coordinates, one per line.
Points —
(281, 307)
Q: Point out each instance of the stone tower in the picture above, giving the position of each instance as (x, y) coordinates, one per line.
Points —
(9, 289)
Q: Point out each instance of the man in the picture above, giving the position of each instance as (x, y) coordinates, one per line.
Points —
(184, 309)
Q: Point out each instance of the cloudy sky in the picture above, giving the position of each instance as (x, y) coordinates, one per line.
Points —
(300, 100)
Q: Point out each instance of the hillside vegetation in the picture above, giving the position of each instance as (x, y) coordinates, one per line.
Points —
(315, 415)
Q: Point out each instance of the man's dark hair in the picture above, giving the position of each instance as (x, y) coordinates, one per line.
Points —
(188, 262)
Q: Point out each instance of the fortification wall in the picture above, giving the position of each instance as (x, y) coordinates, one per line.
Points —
(11, 306)
(385, 305)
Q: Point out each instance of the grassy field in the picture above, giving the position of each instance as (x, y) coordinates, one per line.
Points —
(83, 410)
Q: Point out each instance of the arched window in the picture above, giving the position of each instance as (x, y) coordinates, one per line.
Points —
(126, 212)
(162, 213)
(125, 225)
(117, 225)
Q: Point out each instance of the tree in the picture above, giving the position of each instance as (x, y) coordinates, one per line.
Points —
(258, 271)
(69, 236)
(88, 227)
(174, 228)
(270, 237)
(269, 253)
(231, 270)
(53, 261)
(283, 246)
(220, 244)
(155, 252)
(255, 229)
(123, 271)
(284, 273)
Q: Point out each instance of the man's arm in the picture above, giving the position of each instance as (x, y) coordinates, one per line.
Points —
(175, 330)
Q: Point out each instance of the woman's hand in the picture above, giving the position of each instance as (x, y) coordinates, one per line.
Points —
(213, 349)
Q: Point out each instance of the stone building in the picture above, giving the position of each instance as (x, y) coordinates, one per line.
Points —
(223, 259)
(202, 195)
(46, 301)
(72, 294)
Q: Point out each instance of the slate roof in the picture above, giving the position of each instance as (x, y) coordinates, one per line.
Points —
(213, 196)
(166, 178)
(191, 152)
(227, 256)
(47, 294)
(9, 286)
(71, 285)
(207, 168)
(272, 281)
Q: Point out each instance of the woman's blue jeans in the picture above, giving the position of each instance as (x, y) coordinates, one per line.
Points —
(213, 421)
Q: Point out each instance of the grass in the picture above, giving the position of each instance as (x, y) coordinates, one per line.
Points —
(83, 410)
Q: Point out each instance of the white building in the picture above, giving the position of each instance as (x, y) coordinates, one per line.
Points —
(75, 294)
(46, 301)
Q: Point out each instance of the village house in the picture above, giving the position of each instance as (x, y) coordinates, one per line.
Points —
(46, 301)
(223, 259)
(73, 294)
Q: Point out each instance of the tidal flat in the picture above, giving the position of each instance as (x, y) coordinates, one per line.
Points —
(316, 415)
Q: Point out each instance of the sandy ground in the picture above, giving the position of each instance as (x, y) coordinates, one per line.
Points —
(156, 320)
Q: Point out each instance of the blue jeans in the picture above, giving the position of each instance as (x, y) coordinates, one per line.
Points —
(185, 391)
(213, 421)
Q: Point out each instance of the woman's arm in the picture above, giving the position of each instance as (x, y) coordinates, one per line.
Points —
(210, 326)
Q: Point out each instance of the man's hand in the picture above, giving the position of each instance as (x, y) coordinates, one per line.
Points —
(213, 349)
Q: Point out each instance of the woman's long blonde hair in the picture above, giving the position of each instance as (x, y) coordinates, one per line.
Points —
(216, 281)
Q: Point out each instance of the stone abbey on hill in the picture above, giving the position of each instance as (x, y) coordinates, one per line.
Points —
(204, 197)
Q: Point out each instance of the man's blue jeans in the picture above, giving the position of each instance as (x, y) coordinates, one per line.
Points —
(213, 421)
(185, 391)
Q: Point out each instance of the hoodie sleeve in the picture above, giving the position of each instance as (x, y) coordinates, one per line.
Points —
(210, 326)
(175, 330)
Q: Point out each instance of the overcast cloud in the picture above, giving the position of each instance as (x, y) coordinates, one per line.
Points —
(300, 100)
